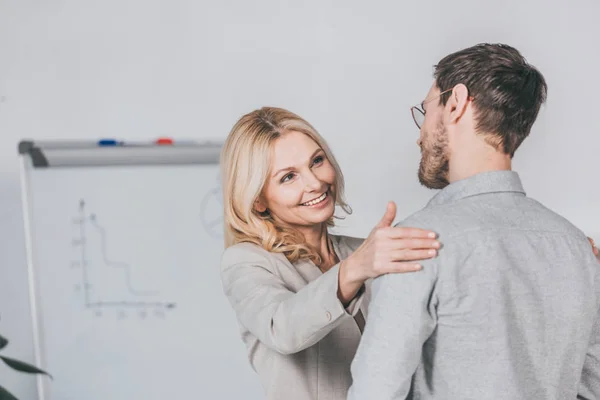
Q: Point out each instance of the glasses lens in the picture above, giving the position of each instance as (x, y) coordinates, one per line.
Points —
(418, 116)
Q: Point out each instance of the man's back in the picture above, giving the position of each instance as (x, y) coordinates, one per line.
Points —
(504, 312)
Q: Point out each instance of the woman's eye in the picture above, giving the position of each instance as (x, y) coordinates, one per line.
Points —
(318, 160)
(287, 178)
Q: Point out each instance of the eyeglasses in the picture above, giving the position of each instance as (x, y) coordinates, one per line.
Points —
(418, 111)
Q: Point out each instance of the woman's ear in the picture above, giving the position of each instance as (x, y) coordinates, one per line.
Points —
(260, 206)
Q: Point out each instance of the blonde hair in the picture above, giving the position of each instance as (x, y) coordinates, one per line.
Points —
(245, 163)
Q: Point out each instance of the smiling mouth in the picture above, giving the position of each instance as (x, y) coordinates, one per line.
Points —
(316, 201)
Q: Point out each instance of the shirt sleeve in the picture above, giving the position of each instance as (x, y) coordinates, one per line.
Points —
(283, 320)
(589, 386)
(402, 316)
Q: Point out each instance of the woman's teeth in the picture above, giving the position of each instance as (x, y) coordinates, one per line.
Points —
(316, 201)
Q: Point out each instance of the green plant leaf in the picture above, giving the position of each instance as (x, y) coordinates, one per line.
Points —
(23, 367)
(3, 343)
(6, 395)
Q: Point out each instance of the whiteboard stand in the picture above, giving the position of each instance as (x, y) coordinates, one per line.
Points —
(123, 254)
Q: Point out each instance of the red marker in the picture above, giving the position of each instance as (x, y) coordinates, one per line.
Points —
(164, 140)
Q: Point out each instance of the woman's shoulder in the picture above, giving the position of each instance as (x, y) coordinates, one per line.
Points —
(247, 252)
(251, 253)
(350, 243)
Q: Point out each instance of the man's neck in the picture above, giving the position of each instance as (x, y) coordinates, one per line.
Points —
(468, 165)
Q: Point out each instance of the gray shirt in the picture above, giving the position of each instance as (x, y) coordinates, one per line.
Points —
(506, 311)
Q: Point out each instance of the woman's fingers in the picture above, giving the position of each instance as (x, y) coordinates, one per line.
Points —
(415, 244)
(403, 267)
(388, 217)
(396, 250)
(404, 232)
(594, 248)
(412, 254)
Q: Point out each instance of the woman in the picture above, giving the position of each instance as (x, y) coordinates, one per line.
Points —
(300, 293)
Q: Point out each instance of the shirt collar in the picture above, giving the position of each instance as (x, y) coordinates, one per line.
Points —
(485, 182)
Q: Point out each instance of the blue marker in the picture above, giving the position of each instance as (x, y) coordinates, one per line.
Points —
(107, 142)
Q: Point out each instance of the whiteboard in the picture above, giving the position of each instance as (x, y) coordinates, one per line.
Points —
(124, 247)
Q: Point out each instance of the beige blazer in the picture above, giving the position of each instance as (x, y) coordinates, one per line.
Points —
(300, 338)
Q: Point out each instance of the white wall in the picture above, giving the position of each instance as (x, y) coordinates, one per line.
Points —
(144, 68)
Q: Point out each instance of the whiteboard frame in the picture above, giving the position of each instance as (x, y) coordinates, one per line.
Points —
(73, 154)
(34, 298)
(78, 153)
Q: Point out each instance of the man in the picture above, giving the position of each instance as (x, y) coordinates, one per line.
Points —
(509, 308)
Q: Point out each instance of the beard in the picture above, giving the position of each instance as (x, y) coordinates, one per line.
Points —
(434, 166)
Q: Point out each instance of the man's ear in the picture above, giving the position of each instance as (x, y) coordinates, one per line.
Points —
(260, 206)
(458, 102)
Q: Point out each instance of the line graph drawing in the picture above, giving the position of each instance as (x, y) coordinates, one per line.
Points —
(211, 211)
(116, 264)
(89, 223)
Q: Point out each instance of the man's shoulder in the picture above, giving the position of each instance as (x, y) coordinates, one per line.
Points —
(551, 220)
(440, 219)
(471, 215)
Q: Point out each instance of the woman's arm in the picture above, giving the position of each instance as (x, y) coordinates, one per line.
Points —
(285, 321)
(289, 322)
(387, 250)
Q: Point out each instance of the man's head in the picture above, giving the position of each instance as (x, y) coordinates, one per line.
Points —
(479, 110)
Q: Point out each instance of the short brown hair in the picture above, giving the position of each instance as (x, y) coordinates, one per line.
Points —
(507, 91)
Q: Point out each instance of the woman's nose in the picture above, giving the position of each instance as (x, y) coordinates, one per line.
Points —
(312, 182)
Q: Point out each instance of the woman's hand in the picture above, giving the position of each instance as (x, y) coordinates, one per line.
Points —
(387, 250)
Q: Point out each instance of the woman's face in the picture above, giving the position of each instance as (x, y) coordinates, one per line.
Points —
(299, 189)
